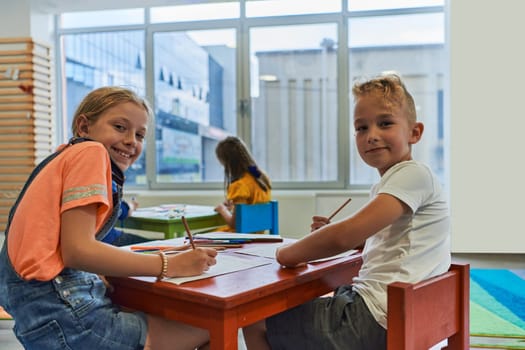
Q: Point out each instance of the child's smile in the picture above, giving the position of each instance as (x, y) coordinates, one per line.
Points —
(383, 134)
(121, 129)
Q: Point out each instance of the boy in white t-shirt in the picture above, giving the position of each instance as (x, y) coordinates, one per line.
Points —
(405, 227)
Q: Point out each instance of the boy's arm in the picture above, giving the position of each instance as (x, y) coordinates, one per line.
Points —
(345, 234)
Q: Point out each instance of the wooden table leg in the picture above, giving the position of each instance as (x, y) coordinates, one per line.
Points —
(223, 336)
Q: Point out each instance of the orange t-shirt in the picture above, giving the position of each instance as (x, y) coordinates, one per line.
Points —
(79, 176)
(246, 190)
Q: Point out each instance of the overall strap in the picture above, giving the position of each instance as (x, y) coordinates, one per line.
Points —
(118, 180)
(117, 176)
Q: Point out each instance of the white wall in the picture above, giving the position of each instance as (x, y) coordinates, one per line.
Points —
(487, 125)
(18, 19)
(18, 25)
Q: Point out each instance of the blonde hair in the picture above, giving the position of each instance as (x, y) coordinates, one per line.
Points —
(236, 159)
(393, 90)
(100, 100)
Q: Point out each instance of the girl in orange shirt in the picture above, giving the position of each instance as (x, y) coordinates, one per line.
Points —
(244, 181)
(51, 262)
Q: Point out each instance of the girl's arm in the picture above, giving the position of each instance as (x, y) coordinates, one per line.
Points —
(226, 210)
(80, 250)
(345, 234)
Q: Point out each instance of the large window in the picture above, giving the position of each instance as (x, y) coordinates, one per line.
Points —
(277, 73)
(413, 46)
(294, 101)
(194, 100)
(95, 59)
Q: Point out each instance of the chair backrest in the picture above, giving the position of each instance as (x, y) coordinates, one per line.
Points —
(423, 314)
(257, 217)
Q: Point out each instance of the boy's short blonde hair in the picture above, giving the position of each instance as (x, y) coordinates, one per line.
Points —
(100, 100)
(392, 89)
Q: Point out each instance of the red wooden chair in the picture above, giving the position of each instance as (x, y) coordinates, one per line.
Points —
(423, 314)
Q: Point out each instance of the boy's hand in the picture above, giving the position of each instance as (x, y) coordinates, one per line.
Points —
(278, 258)
(317, 222)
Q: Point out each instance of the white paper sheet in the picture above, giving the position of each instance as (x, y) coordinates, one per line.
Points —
(268, 250)
(225, 264)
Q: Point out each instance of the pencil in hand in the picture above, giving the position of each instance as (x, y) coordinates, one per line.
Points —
(339, 209)
(188, 232)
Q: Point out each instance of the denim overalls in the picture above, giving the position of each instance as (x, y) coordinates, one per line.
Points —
(71, 311)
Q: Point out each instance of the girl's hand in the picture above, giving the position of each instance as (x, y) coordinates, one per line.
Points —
(225, 207)
(192, 262)
(221, 209)
(317, 222)
(229, 204)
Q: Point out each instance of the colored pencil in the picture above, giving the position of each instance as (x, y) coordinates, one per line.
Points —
(220, 246)
(190, 237)
(339, 209)
(151, 247)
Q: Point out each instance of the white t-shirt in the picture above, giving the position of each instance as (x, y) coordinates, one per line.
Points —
(414, 248)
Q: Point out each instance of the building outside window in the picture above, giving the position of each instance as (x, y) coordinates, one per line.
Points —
(277, 73)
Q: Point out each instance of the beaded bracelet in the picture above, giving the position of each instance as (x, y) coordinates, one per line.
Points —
(164, 272)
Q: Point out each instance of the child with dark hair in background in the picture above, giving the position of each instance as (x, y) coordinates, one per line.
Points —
(244, 181)
(405, 227)
(51, 263)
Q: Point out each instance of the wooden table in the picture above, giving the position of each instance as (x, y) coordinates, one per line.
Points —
(225, 303)
(167, 219)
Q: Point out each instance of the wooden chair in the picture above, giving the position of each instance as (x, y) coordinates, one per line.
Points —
(257, 217)
(423, 314)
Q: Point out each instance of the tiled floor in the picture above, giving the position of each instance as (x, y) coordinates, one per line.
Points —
(7, 339)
